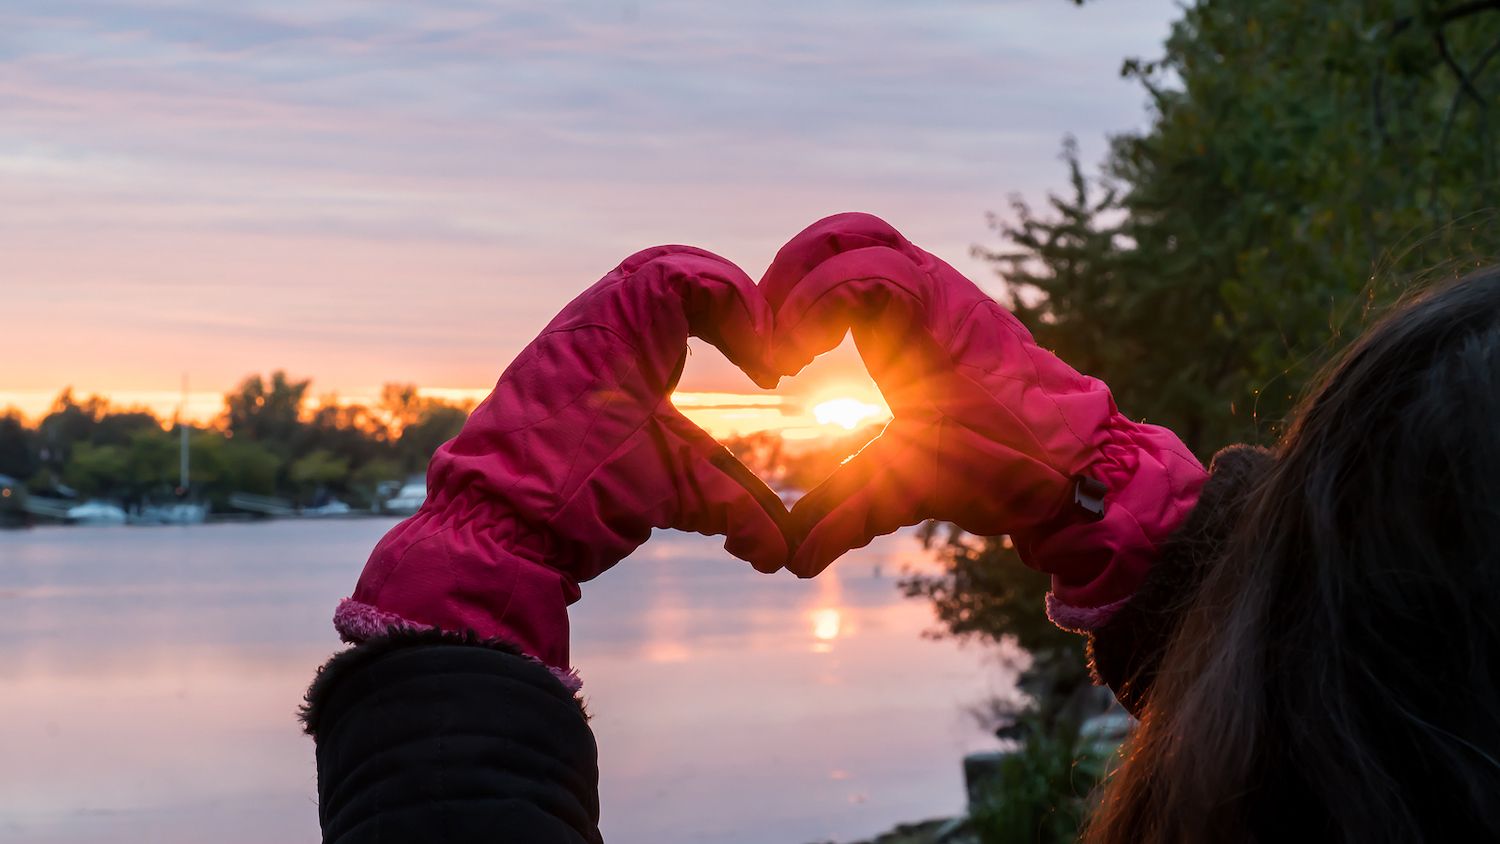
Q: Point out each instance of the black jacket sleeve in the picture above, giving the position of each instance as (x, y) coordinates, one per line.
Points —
(1126, 651)
(438, 737)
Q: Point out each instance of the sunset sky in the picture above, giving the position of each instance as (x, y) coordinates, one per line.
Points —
(362, 192)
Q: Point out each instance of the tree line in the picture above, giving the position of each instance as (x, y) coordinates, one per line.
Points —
(266, 441)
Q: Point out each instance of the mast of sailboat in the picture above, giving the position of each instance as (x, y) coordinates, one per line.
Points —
(182, 463)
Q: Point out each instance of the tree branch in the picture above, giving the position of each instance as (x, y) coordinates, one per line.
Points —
(1377, 93)
(1466, 85)
(1453, 14)
(1467, 9)
(1484, 59)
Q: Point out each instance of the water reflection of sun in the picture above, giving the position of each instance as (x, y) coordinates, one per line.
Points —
(826, 624)
(827, 616)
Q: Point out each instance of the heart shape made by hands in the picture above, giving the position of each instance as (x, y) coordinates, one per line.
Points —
(924, 332)
(578, 453)
(956, 368)
(580, 447)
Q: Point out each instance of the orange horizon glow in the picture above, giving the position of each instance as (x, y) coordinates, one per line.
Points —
(833, 411)
(828, 399)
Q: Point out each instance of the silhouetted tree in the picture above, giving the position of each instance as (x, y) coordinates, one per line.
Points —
(19, 448)
(267, 412)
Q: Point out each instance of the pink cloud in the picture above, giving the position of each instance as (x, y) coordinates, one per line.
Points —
(369, 192)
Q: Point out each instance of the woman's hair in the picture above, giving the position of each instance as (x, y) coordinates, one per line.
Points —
(1337, 676)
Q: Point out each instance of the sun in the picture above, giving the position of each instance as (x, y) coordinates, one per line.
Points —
(845, 412)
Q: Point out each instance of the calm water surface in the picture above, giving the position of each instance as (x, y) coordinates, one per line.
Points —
(149, 680)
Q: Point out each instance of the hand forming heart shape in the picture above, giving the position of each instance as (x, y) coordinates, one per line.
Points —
(578, 453)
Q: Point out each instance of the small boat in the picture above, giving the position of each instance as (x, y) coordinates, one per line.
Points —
(180, 513)
(96, 513)
(407, 500)
(333, 507)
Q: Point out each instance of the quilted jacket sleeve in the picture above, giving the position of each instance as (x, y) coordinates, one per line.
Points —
(437, 737)
(1125, 653)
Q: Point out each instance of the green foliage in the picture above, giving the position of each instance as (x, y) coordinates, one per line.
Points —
(983, 592)
(264, 411)
(251, 467)
(120, 428)
(268, 442)
(1041, 793)
(436, 424)
(68, 423)
(1304, 162)
(152, 460)
(19, 448)
(365, 482)
(144, 462)
(223, 465)
(94, 469)
(318, 470)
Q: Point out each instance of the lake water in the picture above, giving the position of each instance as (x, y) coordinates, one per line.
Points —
(149, 680)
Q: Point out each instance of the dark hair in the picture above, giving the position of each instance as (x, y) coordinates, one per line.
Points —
(1337, 676)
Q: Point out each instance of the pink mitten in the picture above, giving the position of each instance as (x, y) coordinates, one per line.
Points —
(573, 459)
(991, 432)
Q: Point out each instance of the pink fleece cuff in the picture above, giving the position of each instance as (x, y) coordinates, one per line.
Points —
(357, 621)
(1081, 619)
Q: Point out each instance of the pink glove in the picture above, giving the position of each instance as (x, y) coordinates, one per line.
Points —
(991, 432)
(572, 460)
